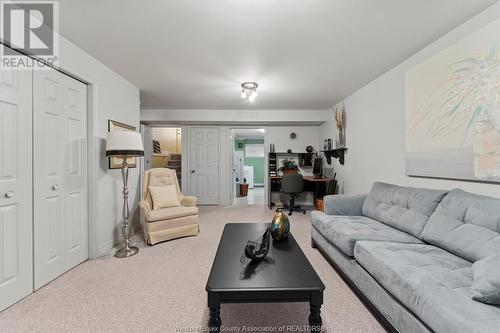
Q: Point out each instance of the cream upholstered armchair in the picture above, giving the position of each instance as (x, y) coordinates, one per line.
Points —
(161, 224)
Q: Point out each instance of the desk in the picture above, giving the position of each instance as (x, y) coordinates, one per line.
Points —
(311, 184)
(316, 180)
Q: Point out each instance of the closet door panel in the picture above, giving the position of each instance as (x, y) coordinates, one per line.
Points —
(16, 261)
(49, 134)
(75, 177)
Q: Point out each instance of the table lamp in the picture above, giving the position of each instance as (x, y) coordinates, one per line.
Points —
(125, 144)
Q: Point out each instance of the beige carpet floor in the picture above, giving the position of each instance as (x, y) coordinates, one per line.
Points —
(162, 289)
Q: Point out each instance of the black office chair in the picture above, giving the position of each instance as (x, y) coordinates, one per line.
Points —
(292, 184)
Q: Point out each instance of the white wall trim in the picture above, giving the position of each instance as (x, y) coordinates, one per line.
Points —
(234, 117)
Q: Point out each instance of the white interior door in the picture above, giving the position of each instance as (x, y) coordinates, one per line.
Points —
(16, 251)
(204, 164)
(60, 176)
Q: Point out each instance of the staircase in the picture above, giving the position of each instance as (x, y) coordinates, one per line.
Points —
(174, 162)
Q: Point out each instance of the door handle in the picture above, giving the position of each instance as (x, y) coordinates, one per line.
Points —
(192, 171)
(9, 194)
(55, 187)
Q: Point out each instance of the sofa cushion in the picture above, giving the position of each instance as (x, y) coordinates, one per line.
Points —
(170, 213)
(465, 224)
(486, 283)
(345, 231)
(434, 284)
(404, 208)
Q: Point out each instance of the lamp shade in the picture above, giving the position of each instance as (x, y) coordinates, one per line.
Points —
(124, 143)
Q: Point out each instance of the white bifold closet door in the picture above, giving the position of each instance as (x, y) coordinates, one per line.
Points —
(16, 242)
(59, 174)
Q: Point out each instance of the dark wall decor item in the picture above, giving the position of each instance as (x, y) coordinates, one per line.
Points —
(293, 135)
(256, 250)
(156, 147)
(309, 149)
(280, 227)
(335, 153)
(289, 151)
(117, 162)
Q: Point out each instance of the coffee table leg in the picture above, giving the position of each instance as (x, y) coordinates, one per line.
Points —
(315, 321)
(214, 322)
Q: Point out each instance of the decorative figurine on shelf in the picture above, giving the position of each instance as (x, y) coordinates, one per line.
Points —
(330, 144)
(280, 227)
(256, 250)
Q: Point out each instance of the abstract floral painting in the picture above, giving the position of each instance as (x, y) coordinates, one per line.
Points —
(453, 110)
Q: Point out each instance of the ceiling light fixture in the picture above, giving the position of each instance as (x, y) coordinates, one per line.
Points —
(249, 90)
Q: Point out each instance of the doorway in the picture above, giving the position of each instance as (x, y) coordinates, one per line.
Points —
(248, 166)
(167, 149)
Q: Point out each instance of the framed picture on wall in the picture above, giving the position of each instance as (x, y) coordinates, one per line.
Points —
(115, 162)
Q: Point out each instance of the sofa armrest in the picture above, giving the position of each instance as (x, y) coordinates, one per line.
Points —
(145, 206)
(344, 204)
(189, 201)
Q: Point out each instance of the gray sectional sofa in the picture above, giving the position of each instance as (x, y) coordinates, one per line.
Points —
(410, 252)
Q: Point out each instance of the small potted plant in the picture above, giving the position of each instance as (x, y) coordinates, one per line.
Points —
(288, 166)
(244, 188)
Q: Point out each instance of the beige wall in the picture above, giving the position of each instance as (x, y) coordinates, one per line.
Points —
(169, 140)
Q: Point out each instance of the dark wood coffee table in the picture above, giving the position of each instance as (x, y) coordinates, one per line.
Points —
(285, 275)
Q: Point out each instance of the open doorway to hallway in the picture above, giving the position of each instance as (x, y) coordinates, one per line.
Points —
(248, 166)
(167, 149)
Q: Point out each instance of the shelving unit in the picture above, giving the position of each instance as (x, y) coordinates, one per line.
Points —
(335, 153)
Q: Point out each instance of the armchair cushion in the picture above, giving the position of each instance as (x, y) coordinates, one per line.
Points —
(164, 196)
(170, 213)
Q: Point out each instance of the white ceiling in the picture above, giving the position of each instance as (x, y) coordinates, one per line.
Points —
(247, 133)
(189, 54)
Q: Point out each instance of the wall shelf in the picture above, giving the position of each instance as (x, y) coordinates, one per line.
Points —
(304, 159)
(336, 153)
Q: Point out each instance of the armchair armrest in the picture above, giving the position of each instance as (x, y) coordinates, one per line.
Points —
(145, 206)
(189, 201)
(344, 204)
